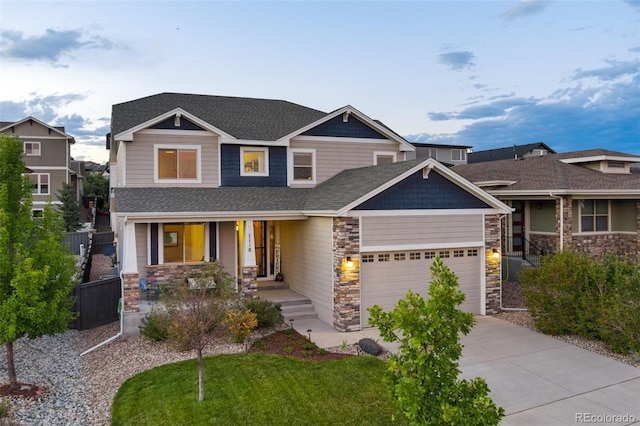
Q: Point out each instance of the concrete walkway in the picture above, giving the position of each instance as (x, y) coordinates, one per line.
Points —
(537, 379)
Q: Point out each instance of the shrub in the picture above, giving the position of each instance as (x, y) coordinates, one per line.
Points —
(155, 325)
(268, 313)
(241, 323)
(572, 293)
(562, 294)
(5, 409)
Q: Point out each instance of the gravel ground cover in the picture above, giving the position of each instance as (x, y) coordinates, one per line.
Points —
(80, 389)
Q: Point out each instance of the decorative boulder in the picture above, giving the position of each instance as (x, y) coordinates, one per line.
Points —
(370, 346)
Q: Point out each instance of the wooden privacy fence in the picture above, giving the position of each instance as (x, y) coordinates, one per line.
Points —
(96, 303)
(72, 240)
(100, 240)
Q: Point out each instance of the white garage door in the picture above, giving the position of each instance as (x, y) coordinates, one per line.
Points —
(385, 277)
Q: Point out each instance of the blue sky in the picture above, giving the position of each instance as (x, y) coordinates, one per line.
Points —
(477, 73)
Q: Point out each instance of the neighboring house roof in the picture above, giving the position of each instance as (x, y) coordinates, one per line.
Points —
(557, 173)
(5, 125)
(439, 145)
(333, 197)
(243, 118)
(512, 152)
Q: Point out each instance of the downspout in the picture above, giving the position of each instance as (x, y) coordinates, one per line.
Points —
(502, 308)
(121, 308)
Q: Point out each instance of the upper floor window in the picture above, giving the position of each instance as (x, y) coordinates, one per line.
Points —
(254, 161)
(32, 148)
(594, 216)
(177, 163)
(303, 163)
(380, 158)
(40, 183)
(458, 155)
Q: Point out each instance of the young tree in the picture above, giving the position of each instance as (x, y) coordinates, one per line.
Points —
(37, 273)
(197, 310)
(422, 377)
(70, 209)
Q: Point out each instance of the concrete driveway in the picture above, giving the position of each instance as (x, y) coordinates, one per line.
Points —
(537, 379)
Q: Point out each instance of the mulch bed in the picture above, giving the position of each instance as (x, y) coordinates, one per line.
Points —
(292, 344)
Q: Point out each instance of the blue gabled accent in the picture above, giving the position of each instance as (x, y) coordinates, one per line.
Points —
(353, 128)
(169, 124)
(230, 168)
(416, 192)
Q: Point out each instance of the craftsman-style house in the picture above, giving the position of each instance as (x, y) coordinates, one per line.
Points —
(48, 157)
(337, 202)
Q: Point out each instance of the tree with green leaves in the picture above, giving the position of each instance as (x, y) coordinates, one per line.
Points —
(37, 274)
(197, 305)
(70, 209)
(97, 187)
(423, 376)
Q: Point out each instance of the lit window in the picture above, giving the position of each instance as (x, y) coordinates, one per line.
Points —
(183, 242)
(254, 161)
(303, 166)
(458, 155)
(594, 215)
(177, 163)
(40, 183)
(32, 148)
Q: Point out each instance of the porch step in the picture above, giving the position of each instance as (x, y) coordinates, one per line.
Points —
(292, 305)
(272, 285)
(303, 310)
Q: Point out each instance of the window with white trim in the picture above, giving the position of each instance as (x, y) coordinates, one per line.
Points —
(40, 183)
(594, 215)
(367, 258)
(384, 257)
(429, 254)
(254, 161)
(32, 148)
(177, 163)
(458, 253)
(303, 163)
(183, 242)
(444, 254)
(472, 252)
(415, 255)
(458, 155)
(384, 157)
(399, 256)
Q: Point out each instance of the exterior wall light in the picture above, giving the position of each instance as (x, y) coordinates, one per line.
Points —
(349, 262)
(495, 254)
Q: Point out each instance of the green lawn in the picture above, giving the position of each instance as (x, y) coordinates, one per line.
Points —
(258, 389)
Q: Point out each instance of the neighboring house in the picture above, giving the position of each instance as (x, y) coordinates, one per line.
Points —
(513, 152)
(588, 201)
(268, 186)
(47, 154)
(449, 155)
(96, 169)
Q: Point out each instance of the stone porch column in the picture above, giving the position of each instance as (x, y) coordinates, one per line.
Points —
(249, 265)
(493, 265)
(346, 277)
(129, 271)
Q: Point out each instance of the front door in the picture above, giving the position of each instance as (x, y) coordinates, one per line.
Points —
(517, 226)
(264, 234)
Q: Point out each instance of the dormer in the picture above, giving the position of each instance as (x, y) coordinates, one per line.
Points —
(606, 162)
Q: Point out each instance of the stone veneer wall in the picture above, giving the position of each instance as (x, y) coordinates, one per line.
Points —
(567, 225)
(346, 281)
(493, 271)
(544, 242)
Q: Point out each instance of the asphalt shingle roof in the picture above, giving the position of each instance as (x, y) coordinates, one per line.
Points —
(332, 195)
(548, 173)
(508, 153)
(243, 118)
